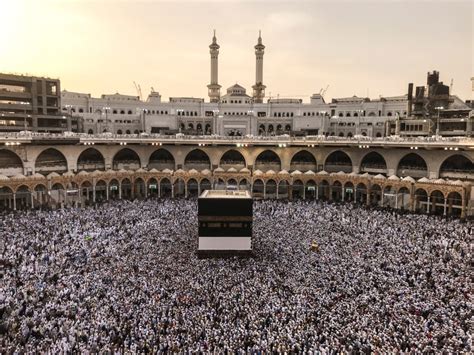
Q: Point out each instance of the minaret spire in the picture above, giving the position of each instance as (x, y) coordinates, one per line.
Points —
(214, 87)
(259, 88)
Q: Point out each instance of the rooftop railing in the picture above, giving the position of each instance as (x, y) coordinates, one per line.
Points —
(27, 135)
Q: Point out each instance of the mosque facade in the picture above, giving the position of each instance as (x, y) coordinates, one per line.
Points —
(237, 112)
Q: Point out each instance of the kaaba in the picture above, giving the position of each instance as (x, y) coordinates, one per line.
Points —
(225, 223)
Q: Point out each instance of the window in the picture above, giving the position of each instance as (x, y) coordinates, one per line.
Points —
(122, 112)
(129, 112)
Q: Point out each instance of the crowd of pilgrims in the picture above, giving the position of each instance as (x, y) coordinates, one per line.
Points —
(124, 277)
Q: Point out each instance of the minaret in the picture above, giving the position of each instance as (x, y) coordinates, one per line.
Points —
(214, 88)
(259, 88)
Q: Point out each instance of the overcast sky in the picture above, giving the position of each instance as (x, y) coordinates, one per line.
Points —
(356, 47)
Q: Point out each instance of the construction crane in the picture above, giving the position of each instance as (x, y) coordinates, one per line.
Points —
(322, 92)
(139, 90)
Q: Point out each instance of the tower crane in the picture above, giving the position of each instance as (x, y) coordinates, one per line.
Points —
(139, 90)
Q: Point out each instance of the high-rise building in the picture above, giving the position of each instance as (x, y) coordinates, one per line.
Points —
(32, 103)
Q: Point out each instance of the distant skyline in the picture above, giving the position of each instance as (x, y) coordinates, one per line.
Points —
(363, 48)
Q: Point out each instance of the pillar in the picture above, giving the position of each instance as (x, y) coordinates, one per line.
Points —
(381, 198)
(444, 207)
(93, 193)
(317, 192)
(31, 200)
(172, 190)
(14, 201)
(463, 206)
(264, 190)
(185, 189)
(304, 192)
(107, 191)
(277, 190)
(120, 190)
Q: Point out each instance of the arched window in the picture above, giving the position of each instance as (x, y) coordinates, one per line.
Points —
(129, 112)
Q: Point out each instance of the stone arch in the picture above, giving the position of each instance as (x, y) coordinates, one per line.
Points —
(268, 160)
(257, 188)
(232, 159)
(205, 184)
(412, 165)
(271, 189)
(127, 159)
(454, 203)
(152, 187)
(349, 191)
(437, 202)
(6, 198)
(126, 188)
(283, 188)
(10, 163)
(100, 190)
(179, 188)
(310, 189)
(90, 159)
(338, 161)
(243, 184)
(139, 187)
(193, 187)
(373, 163)
(303, 161)
(50, 160)
(361, 193)
(457, 166)
(197, 159)
(161, 159)
(165, 187)
(421, 199)
(297, 189)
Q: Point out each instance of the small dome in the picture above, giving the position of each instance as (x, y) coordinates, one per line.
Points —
(140, 170)
(179, 171)
(206, 172)
(38, 176)
(366, 175)
(408, 179)
(423, 179)
(394, 178)
(219, 170)
(232, 170)
(168, 171)
(379, 177)
(153, 170)
(310, 172)
(53, 174)
(83, 173)
(4, 178)
(353, 174)
(283, 172)
(270, 172)
(440, 181)
(296, 172)
(322, 172)
(110, 172)
(193, 171)
(457, 183)
(68, 174)
(258, 172)
(97, 173)
(244, 170)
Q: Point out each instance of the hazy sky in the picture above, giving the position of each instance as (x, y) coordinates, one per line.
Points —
(355, 47)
